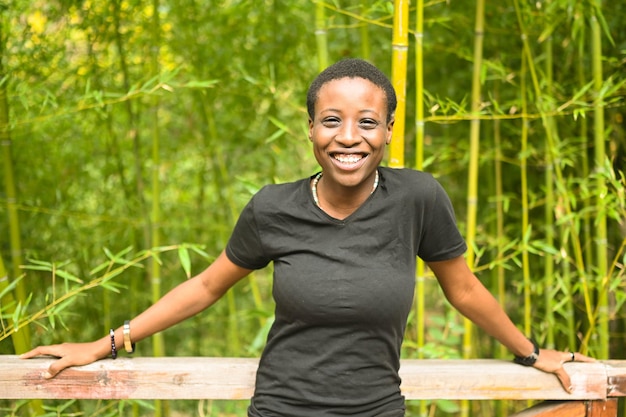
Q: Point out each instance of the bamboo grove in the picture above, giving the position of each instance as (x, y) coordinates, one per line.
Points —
(134, 131)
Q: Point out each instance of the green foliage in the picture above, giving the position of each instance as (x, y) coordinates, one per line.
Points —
(229, 87)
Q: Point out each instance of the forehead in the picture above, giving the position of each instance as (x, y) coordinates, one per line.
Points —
(351, 82)
(352, 89)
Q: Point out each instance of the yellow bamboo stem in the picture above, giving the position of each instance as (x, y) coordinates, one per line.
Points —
(400, 47)
(474, 154)
(420, 290)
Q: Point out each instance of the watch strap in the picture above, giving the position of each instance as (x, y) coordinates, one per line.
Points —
(530, 359)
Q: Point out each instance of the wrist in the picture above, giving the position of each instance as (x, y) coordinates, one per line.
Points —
(530, 359)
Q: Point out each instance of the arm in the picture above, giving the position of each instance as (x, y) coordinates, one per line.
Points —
(182, 302)
(467, 294)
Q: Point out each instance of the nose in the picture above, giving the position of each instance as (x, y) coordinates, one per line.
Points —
(349, 135)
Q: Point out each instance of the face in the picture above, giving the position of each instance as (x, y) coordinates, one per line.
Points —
(350, 131)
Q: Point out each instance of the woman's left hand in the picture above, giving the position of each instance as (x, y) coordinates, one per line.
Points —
(552, 361)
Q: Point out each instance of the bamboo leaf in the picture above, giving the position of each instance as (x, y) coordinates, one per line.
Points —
(275, 136)
(118, 258)
(200, 252)
(111, 286)
(200, 84)
(68, 276)
(58, 308)
(10, 287)
(99, 268)
(52, 321)
(185, 260)
(112, 274)
(16, 316)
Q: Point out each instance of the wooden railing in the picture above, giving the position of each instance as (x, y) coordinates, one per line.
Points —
(597, 386)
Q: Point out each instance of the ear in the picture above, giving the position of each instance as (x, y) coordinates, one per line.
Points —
(311, 129)
(390, 129)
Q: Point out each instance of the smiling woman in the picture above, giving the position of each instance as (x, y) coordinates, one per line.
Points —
(344, 244)
(350, 127)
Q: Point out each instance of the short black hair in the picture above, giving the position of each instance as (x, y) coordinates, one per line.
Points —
(352, 68)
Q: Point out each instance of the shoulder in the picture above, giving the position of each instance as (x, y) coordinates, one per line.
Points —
(273, 191)
(275, 197)
(408, 180)
(405, 174)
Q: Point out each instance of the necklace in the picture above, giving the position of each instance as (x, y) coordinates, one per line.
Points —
(317, 179)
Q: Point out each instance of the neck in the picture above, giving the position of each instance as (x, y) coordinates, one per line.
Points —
(339, 203)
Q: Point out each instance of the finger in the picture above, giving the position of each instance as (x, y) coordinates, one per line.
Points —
(30, 354)
(56, 367)
(565, 380)
(39, 351)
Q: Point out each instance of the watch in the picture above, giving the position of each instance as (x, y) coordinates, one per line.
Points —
(530, 359)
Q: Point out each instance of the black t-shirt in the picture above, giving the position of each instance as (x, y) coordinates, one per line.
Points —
(343, 291)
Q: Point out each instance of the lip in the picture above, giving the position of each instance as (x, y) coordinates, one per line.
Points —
(343, 166)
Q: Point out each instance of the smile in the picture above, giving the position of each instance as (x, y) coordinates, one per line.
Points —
(348, 159)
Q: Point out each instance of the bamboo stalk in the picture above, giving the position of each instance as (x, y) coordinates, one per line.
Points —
(419, 85)
(600, 222)
(587, 216)
(234, 337)
(420, 297)
(499, 271)
(549, 208)
(158, 341)
(142, 236)
(524, 202)
(474, 156)
(584, 136)
(365, 35)
(420, 290)
(400, 47)
(321, 35)
(500, 289)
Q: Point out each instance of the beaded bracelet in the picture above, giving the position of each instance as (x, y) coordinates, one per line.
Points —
(129, 346)
(113, 348)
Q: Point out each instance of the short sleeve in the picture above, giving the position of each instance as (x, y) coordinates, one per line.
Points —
(244, 247)
(441, 239)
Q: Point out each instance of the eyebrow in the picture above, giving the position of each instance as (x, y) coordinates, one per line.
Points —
(333, 110)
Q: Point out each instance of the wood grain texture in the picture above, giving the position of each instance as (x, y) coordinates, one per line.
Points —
(233, 378)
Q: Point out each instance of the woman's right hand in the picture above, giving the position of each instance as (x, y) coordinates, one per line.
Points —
(69, 354)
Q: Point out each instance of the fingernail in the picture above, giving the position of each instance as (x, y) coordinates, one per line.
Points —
(47, 375)
(571, 388)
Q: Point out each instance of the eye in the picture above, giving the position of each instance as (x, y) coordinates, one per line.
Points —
(331, 121)
(368, 123)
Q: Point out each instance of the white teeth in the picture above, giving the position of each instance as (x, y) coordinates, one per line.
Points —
(348, 159)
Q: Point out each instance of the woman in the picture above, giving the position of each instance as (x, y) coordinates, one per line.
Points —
(344, 244)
